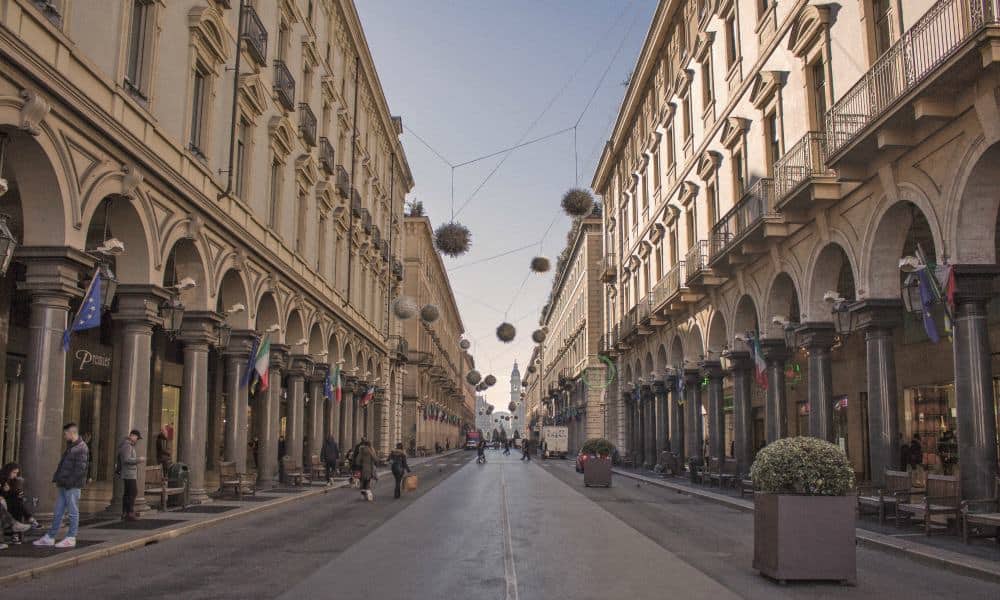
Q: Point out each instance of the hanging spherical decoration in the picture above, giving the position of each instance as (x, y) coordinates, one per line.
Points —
(538, 336)
(404, 307)
(540, 264)
(465, 344)
(473, 377)
(506, 333)
(578, 202)
(532, 369)
(511, 407)
(429, 313)
(452, 239)
(490, 381)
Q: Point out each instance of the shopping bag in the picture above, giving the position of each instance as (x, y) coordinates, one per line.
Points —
(410, 483)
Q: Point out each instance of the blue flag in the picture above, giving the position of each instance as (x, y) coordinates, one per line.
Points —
(328, 385)
(248, 371)
(927, 299)
(680, 384)
(89, 315)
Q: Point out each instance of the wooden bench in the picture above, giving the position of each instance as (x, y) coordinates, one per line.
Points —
(317, 470)
(293, 472)
(880, 498)
(240, 483)
(983, 512)
(940, 498)
(157, 484)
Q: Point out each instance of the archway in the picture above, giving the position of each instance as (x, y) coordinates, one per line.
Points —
(185, 262)
(295, 333)
(661, 359)
(677, 353)
(978, 219)
(902, 231)
(695, 346)
(648, 372)
(782, 304)
(267, 316)
(717, 339)
(832, 272)
(32, 175)
(115, 217)
(316, 346)
(233, 294)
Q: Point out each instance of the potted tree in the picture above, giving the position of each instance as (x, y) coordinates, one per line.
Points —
(596, 458)
(803, 513)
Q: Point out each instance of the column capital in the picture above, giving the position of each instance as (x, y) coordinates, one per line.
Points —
(660, 387)
(199, 327)
(53, 270)
(299, 365)
(774, 350)
(691, 376)
(974, 282)
(816, 335)
(670, 380)
(279, 356)
(645, 392)
(877, 313)
(319, 372)
(241, 343)
(139, 303)
(739, 360)
(711, 369)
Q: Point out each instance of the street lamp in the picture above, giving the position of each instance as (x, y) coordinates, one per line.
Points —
(725, 359)
(910, 292)
(840, 308)
(8, 243)
(172, 312)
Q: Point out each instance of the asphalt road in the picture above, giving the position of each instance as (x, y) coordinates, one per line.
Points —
(504, 530)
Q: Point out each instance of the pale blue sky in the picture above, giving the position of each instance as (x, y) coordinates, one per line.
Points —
(470, 77)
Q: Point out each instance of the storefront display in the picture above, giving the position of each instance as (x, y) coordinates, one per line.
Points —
(930, 414)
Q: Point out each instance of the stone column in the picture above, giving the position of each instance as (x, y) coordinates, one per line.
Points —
(977, 435)
(347, 414)
(817, 339)
(676, 402)
(198, 332)
(775, 410)
(627, 403)
(331, 417)
(270, 419)
(741, 366)
(648, 436)
(317, 414)
(638, 430)
(694, 435)
(660, 395)
(51, 282)
(137, 314)
(877, 318)
(237, 355)
(357, 411)
(716, 436)
(295, 425)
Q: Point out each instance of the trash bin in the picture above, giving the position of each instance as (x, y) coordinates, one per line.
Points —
(694, 469)
(178, 475)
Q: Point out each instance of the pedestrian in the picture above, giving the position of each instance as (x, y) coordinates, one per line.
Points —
(12, 499)
(915, 456)
(904, 452)
(366, 461)
(127, 467)
(281, 458)
(305, 453)
(11, 526)
(399, 465)
(69, 478)
(506, 447)
(329, 455)
(254, 446)
(87, 437)
(164, 457)
(526, 452)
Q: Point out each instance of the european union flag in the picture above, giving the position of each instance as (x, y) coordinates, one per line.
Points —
(89, 315)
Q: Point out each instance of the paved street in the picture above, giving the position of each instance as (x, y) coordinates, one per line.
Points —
(503, 530)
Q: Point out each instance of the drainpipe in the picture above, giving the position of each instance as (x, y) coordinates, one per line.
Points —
(392, 217)
(350, 200)
(236, 91)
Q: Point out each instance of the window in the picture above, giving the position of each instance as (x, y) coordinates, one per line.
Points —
(772, 139)
(674, 247)
(274, 200)
(656, 168)
(139, 45)
(712, 201)
(301, 214)
(883, 25)
(644, 184)
(321, 246)
(818, 92)
(688, 130)
(762, 6)
(739, 174)
(732, 52)
(689, 223)
(671, 159)
(199, 101)
(282, 41)
(707, 85)
(242, 158)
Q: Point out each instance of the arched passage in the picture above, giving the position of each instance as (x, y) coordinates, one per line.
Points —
(717, 340)
(745, 318)
(232, 294)
(975, 236)
(661, 359)
(832, 272)
(295, 333)
(901, 231)
(648, 371)
(782, 303)
(185, 261)
(316, 346)
(677, 353)
(695, 346)
(37, 200)
(267, 315)
(115, 217)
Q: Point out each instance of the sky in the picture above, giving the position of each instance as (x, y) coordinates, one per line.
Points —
(473, 77)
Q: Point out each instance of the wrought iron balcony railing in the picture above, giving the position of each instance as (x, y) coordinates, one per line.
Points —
(284, 85)
(307, 124)
(669, 285)
(343, 182)
(326, 157)
(255, 35)
(696, 260)
(929, 43)
(755, 205)
(807, 158)
(356, 206)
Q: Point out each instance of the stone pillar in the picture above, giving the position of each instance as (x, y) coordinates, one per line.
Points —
(639, 431)
(977, 435)
(627, 403)
(137, 314)
(357, 414)
(877, 318)
(331, 417)
(347, 414)
(660, 395)
(315, 409)
(51, 282)
(237, 355)
(694, 435)
(775, 409)
(817, 339)
(198, 332)
(716, 436)
(648, 434)
(295, 425)
(270, 419)
(741, 366)
(676, 402)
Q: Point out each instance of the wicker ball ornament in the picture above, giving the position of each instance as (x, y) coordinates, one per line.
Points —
(404, 307)
(538, 336)
(429, 313)
(506, 333)
(473, 377)
(465, 344)
(490, 381)
(578, 202)
(452, 239)
(540, 264)
(532, 369)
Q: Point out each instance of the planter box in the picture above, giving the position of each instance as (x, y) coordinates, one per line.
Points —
(804, 537)
(597, 471)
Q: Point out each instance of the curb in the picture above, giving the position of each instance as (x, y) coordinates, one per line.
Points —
(966, 565)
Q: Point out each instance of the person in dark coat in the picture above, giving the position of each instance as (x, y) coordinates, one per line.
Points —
(397, 459)
(70, 476)
(330, 454)
(128, 470)
(12, 502)
(916, 453)
(164, 457)
(366, 462)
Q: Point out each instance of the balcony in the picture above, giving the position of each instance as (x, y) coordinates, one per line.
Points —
(307, 124)
(744, 230)
(609, 268)
(671, 294)
(397, 270)
(376, 236)
(284, 86)
(628, 326)
(366, 221)
(254, 34)
(697, 271)
(343, 182)
(914, 80)
(326, 156)
(356, 206)
(801, 178)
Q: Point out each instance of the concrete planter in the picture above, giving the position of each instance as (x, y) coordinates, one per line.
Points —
(597, 472)
(804, 537)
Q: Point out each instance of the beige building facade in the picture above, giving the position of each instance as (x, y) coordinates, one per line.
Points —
(244, 155)
(771, 165)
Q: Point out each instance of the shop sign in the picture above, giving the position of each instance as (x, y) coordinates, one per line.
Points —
(91, 362)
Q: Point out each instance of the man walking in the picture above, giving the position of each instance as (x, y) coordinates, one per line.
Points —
(128, 470)
(526, 450)
(164, 456)
(329, 454)
(69, 479)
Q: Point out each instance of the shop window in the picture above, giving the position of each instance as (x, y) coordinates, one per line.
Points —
(930, 415)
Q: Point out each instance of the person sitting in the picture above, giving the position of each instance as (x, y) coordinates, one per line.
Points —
(13, 500)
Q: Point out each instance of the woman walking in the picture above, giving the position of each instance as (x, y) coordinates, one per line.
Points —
(366, 462)
(399, 466)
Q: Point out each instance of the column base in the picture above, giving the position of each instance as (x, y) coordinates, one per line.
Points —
(198, 496)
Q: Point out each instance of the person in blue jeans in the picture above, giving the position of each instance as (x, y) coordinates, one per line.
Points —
(69, 479)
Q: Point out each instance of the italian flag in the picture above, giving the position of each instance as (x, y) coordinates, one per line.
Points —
(338, 390)
(262, 363)
(368, 396)
(759, 365)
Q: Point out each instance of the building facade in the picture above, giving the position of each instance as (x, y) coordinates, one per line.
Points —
(438, 402)
(516, 404)
(771, 165)
(244, 157)
(572, 376)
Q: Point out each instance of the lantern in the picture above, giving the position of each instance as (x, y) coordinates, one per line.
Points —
(791, 338)
(172, 312)
(910, 291)
(225, 332)
(8, 243)
(843, 318)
